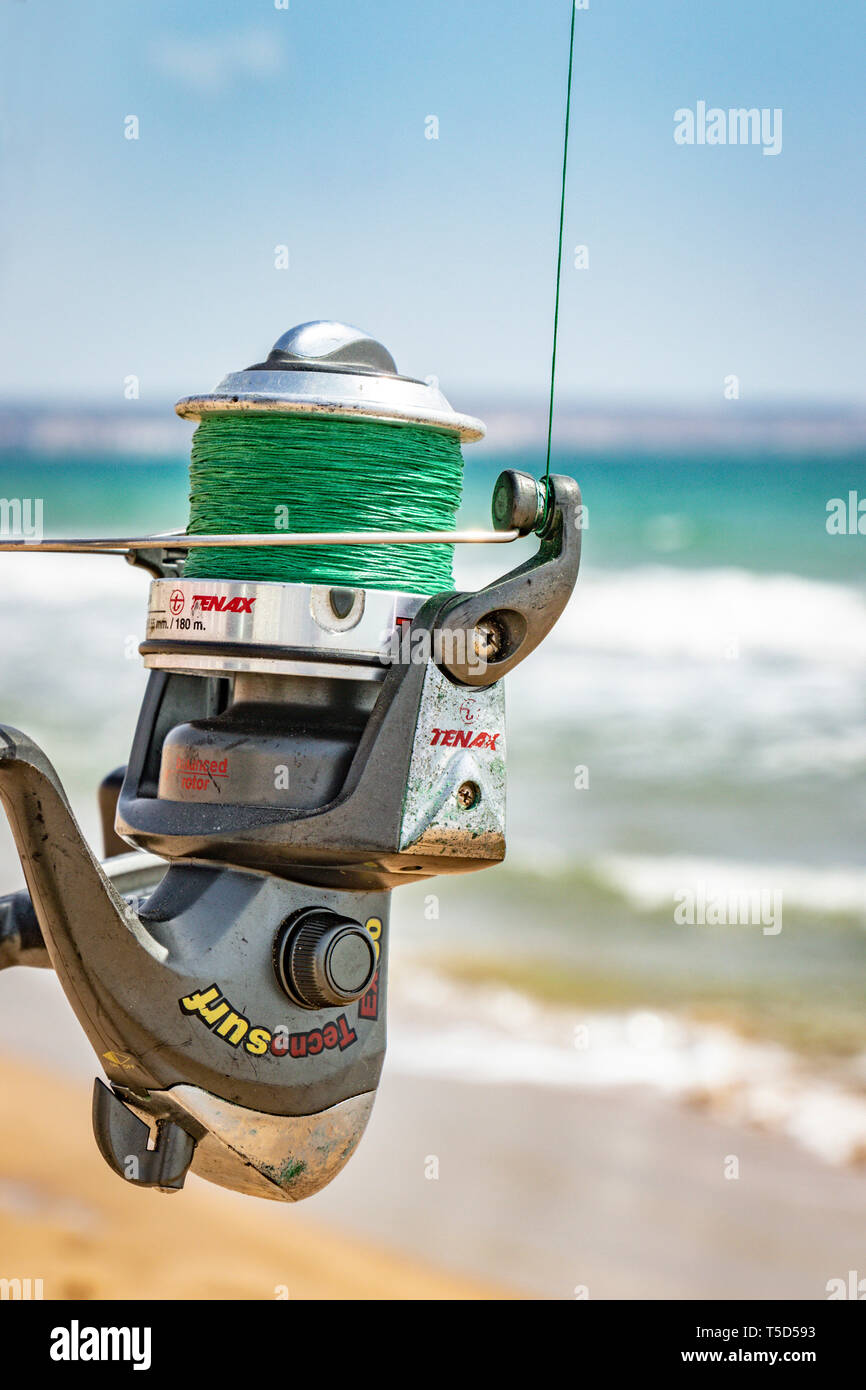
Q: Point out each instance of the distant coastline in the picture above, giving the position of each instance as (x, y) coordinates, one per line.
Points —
(153, 431)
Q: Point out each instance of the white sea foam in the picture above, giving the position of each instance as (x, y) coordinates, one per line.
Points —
(672, 673)
(492, 1035)
(716, 614)
(718, 671)
(653, 612)
(658, 610)
(646, 610)
(61, 581)
(650, 882)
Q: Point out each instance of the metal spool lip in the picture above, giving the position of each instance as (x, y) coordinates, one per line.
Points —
(469, 429)
(394, 400)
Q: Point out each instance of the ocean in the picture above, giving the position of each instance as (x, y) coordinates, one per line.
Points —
(692, 732)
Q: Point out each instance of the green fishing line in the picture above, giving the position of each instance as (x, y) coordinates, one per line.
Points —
(294, 472)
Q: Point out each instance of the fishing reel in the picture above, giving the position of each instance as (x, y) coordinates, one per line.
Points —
(301, 750)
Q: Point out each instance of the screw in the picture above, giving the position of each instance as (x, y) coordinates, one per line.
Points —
(468, 795)
(488, 639)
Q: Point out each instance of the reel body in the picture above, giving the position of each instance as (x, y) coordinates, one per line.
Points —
(301, 750)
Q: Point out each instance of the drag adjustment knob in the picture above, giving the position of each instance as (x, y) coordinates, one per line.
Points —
(324, 960)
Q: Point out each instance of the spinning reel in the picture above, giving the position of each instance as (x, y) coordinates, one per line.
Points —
(301, 750)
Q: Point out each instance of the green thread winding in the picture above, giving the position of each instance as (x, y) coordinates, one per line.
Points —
(265, 473)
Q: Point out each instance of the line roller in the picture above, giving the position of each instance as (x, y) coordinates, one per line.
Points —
(323, 722)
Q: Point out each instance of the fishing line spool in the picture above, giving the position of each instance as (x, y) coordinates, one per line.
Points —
(323, 434)
(326, 435)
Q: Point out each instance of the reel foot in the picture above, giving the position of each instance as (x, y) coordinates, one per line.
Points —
(122, 1139)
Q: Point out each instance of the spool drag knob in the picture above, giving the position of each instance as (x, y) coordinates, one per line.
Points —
(324, 960)
(323, 342)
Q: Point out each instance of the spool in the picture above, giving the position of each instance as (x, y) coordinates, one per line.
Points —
(326, 435)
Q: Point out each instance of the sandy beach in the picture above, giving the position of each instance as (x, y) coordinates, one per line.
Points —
(622, 1195)
(66, 1220)
(541, 1192)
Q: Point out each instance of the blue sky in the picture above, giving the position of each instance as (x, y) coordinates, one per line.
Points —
(306, 127)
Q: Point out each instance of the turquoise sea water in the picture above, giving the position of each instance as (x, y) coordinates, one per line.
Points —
(765, 513)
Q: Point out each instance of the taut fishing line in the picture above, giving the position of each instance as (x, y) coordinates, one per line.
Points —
(559, 245)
